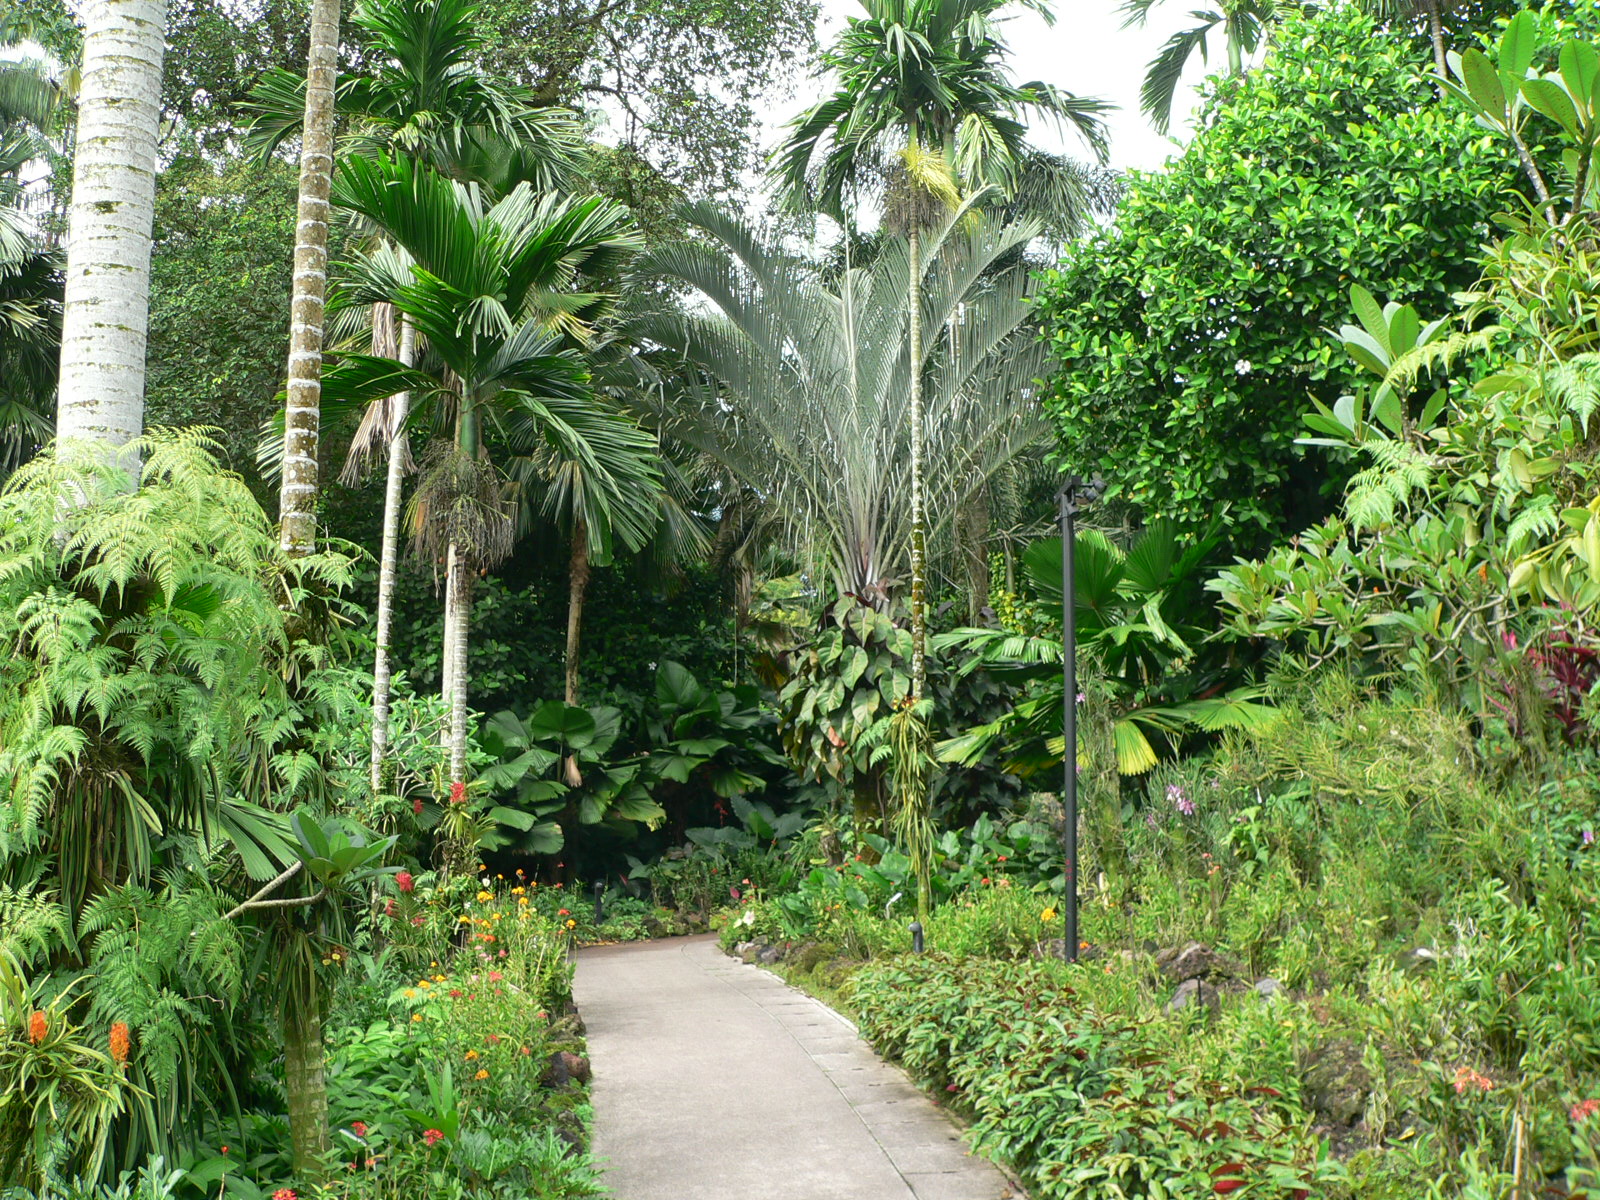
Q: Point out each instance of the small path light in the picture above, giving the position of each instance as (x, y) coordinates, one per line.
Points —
(916, 937)
(599, 912)
(1076, 495)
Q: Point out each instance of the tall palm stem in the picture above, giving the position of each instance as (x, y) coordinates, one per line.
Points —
(919, 516)
(577, 588)
(297, 498)
(458, 613)
(389, 557)
(107, 301)
(305, 1085)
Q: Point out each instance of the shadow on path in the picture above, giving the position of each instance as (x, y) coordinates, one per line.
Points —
(714, 1080)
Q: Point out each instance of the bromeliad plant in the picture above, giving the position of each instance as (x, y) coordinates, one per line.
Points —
(1135, 611)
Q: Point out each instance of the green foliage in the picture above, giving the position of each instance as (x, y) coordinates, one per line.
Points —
(1072, 1098)
(148, 645)
(1135, 612)
(1188, 337)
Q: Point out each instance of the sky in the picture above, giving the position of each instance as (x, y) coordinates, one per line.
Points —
(1086, 52)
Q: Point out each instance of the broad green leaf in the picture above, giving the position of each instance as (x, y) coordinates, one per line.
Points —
(565, 723)
(1483, 84)
(1365, 349)
(676, 687)
(1135, 755)
(1516, 50)
(1370, 313)
(1404, 328)
(1580, 71)
(1552, 100)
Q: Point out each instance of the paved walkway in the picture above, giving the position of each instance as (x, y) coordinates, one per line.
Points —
(714, 1080)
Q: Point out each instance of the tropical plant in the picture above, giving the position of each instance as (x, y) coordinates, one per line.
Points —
(1245, 25)
(30, 274)
(924, 101)
(809, 382)
(1135, 613)
(424, 98)
(101, 397)
(1185, 338)
(488, 286)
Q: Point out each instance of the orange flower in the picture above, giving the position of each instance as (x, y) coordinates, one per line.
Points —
(481, 1075)
(119, 1042)
(38, 1027)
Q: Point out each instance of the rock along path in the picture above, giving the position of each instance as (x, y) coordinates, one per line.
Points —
(716, 1080)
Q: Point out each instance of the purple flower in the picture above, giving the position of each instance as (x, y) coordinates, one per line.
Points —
(1153, 821)
(1081, 697)
(1588, 837)
(1180, 799)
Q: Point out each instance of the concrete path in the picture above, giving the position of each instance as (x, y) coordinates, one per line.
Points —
(714, 1080)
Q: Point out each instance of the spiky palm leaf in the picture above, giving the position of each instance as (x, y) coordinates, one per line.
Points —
(807, 383)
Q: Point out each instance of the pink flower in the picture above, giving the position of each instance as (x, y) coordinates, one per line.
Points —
(1466, 1078)
(495, 977)
(431, 1136)
(734, 892)
(404, 882)
(1583, 1110)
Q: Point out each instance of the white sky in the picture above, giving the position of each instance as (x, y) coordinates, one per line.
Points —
(1086, 52)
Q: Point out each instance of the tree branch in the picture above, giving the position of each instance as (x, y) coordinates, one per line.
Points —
(273, 885)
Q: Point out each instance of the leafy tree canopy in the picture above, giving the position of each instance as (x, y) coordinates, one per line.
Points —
(1189, 336)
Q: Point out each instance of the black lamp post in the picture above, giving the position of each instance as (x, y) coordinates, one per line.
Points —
(1076, 495)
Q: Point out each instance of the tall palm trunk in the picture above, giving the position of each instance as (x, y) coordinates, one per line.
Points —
(1436, 36)
(577, 587)
(389, 556)
(107, 305)
(919, 516)
(297, 516)
(305, 1087)
(457, 614)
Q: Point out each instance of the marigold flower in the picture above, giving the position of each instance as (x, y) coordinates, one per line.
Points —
(481, 1075)
(571, 924)
(485, 897)
(471, 1054)
(38, 1027)
(416, 1017)
(119, 1042)
(432, 1136)
(285, 1194)
(404, 881)
(1048, 914)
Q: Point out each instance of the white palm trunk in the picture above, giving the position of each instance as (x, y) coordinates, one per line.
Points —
(388, 557)
(459, 614)
(297, 498)
(107, 307)
(447, 654)
(919, 516)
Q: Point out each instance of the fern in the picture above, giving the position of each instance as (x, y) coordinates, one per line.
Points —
(1575, 384)
(1377, 494)
(33, 924)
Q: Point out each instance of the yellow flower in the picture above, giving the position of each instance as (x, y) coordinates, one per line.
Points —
(411, 993)
(471, 1054)
(481, 1075)
(485, 897)
(424, 984)
(572, 924)
(416, 1016)
(522, 903)
(438, 978)
(517, 891)
(1048, 914)
(463, 920)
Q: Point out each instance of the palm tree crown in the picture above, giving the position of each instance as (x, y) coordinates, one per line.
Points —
(928, 73)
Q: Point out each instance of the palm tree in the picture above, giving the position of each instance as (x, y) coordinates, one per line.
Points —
(297, 495)
(30, 273)
(490, 290)
(1245, 25)
(810, 380)
(924, 80)
(423, 97)
(106, 306)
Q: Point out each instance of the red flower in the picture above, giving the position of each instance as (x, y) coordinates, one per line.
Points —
(495, 977)
(38, 1027)
(404, 882)
(562, 913)
(455, 993)
(734, 892)
(1583, 1110)
(458, 792)
(416, 806)
(285, 1194)
(359, 1128)
(119, 1042)
(431, 1136)
(417, 921)
(388, 907)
